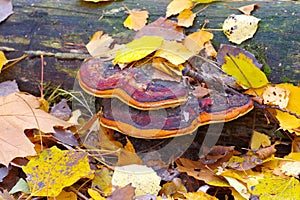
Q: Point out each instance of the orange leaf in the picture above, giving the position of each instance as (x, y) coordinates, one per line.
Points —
(186, 18)
(19, 112)
(136, 19)
(164, 28)
(195, 41)
(99, 43)
(176, 6)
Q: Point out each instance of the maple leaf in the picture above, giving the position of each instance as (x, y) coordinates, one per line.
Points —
(55, 169)
(174, 52)
(6, 9)
(18, 112)
(195, 41)
(138, 49)
(99, 44)
(176, 6)
(162, 27)
(239, 28)
(136, 19)
(186, 18)
(278, 187)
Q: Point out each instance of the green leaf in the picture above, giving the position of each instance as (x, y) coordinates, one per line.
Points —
(21, 186)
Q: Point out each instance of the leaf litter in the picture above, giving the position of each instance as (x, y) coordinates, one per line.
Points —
(255, 171)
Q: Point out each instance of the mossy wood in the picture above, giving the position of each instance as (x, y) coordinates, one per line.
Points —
(51, 26)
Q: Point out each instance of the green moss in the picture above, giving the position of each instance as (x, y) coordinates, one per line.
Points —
(259, 51)
(71, 72)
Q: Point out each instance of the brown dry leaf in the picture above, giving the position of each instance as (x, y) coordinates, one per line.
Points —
(210, 50)
(6, 9)
(176, 6)
(18, 112)
(248, 9)
(136, 19)
(174, 52)
(203, 172)
(125, 193)
(195, 42)
(99, 44)
(3, 60)
(276, 96)
(175, 189)
(186, 18)
(128, 156)
(200, 91)
(164, 28)
(296, 144)
(243, 162)
(266, 152)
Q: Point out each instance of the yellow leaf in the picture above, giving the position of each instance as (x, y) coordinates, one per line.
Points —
(246, 73)
(102, 181)
(186, 18)
(195, 42)
(258, 140)
(286, 120)
(277, 187)
(239, 28)
(199, 195)
(238, 186)
(95, 195)
(176, 6)
(65, 196)
(136, 20)
(203, 1)
(3, 60)
(99, 44)
(97, 1)
(138, 49)
(55, 169)
(174, 52)
(172, 72)
(144, 179)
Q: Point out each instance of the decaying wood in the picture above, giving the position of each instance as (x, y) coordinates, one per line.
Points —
(59, 29)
